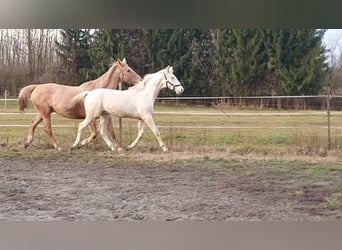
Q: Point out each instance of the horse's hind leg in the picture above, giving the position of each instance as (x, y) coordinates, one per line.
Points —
(48, 130)
(104, 120)
(112, 134)
(92, 127)
(81, 127)
(141, 126)
(34, 123)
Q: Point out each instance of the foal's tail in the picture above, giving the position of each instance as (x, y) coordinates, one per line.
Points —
(79, 99)
(24, 95)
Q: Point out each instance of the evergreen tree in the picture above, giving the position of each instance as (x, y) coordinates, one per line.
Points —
(132, 47)
(171, 47)
(112, 44)
(100, 55)
(203, 55)
(72, 51)
(240, 61)
(298, 61)
(276, 62)
(156, 48)
(224, 43)
(176, 52)
(189, 51)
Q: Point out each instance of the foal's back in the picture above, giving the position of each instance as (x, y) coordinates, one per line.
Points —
(115, 102)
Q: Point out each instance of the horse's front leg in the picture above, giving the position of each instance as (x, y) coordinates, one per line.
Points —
(141, 125)
(150, 122)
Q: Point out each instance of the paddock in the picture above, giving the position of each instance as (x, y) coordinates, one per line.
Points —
(223, 164)
(260, 131)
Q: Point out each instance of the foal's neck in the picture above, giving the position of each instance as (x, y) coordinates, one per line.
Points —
(153, 87)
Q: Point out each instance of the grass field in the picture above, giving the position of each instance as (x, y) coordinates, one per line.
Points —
(242, 131)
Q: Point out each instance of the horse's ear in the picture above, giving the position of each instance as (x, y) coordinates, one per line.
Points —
(171, 68)
(119, 62)
(124, 60)
(167, 68)
(111, 61)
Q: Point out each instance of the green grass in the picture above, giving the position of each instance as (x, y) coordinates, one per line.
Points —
(247, 131)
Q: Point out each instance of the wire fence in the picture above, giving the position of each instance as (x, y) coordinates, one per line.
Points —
(312, 102)
(309, 102)
(321, 105)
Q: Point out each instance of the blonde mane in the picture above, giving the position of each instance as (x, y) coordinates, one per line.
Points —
(96, 83)
(141, 85)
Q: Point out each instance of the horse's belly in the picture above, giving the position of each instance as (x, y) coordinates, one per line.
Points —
(123, 113)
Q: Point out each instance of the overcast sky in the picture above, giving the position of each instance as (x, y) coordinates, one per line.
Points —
(333, 40)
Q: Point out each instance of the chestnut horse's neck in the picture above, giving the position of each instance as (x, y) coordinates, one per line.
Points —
(109, 80)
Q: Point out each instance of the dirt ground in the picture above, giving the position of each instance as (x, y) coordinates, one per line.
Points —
(164, 188)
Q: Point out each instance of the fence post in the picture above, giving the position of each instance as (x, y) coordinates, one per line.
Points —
(6, 94)
(328, 114)
(120, 122)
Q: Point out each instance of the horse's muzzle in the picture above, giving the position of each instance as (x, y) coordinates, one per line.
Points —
(179, 90)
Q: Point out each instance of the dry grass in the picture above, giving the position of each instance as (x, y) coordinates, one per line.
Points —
(247, 132)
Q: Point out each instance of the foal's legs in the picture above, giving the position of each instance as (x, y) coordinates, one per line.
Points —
(112, 134)
(104, 121)
(81, 127)
(141, 126)
(150, 122)
(92, 127)
(34, 123)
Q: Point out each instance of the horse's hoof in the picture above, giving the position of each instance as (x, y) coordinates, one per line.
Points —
(120, 149)
(59, 149)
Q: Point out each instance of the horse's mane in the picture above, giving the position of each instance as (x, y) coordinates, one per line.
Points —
(141, 85)
(92, 84)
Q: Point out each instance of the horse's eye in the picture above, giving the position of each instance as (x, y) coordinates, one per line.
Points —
(128, 70)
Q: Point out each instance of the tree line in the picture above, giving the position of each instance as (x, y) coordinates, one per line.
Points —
(26, 56)
(209, 62)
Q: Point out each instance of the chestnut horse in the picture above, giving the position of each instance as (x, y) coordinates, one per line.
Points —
(51, 97)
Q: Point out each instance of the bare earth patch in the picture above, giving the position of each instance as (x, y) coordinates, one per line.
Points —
(149, 185)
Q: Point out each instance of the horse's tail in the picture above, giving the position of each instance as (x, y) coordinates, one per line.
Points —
(79, 99)
(24, 95)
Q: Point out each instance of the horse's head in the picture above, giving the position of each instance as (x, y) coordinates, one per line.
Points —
(171, 80)
(128, 75)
